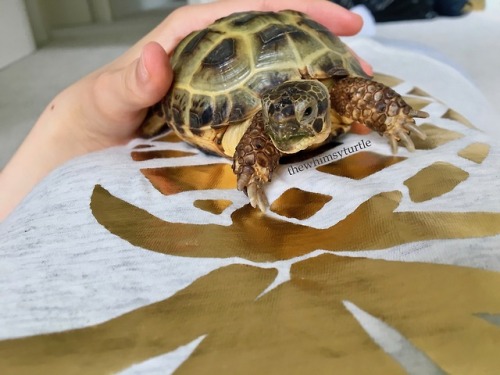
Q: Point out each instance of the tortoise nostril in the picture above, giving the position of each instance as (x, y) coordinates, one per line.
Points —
(270, 109)
(293, 128)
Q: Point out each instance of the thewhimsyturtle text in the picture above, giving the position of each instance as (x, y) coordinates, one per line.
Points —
(335, 155)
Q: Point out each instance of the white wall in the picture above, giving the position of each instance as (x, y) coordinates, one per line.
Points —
(122, 8)
(101, 10)
(16, 39)
(45, 15)
(26, 23)
(66, 13)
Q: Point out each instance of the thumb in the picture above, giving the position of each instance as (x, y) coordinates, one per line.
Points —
(124, 94)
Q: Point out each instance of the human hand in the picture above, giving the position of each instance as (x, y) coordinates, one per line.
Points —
(107, 107)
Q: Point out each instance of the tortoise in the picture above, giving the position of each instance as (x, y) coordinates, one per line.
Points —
(254, 86)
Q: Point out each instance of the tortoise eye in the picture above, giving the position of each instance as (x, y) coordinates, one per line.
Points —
(309, 113)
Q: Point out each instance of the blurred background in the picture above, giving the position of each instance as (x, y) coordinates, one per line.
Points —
(45, 45)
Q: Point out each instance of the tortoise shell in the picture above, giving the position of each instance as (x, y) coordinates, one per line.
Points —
(221, 72)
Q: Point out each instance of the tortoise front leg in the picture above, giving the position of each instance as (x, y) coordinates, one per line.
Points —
(377, 106)
(254, 161)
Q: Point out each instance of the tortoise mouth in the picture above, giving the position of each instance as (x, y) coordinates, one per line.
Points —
(298, 141)
(294, 143)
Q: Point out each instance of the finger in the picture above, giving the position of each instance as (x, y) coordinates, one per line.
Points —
(337, 19)
(123, 94)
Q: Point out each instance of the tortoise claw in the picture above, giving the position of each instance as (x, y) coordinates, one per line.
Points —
(406, 140)
(401, 130)
(394, 144)
(413, 128)
(257, 196)
(243, 181)
(252, 184)
(402, 134)
(419, 114)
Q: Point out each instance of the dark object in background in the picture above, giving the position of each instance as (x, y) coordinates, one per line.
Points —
(451, 7)
(398, 10)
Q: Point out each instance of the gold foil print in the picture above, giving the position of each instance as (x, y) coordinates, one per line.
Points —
(417, 103)
(360, 165)
(299, 327)
(139, 147)
(387, 79)
(260, 238)
(475, 152)
(172, 180)
(431, 305)
(299, 204)
(436, 137)
(419, 92)
(434, 181)
(203, 308)
(159, 154)
(214, 206)
(169, 137)
(474, 5)
(455, 116)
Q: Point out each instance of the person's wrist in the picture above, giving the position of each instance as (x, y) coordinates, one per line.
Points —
(75, 123)
(60, 127)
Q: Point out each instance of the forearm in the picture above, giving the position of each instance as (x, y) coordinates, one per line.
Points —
(48, 145)
(101, 110)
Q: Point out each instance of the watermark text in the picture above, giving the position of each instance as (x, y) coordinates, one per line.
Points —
(328, 158)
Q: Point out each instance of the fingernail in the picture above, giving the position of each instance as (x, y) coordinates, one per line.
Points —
(142, 72)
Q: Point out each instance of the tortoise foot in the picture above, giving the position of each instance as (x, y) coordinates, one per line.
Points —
(399, 127)
(254, 161)
(379, 107)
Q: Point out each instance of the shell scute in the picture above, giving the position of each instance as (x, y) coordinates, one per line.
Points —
(221, 54)
(265, 79)
(267, 55)
(327, 65)
(243, 105)
(313, 25)
(176, 106)
(201, 112)
(249, 20)
(221, 110)
(276, 32)
(222, 68)
(192, 43)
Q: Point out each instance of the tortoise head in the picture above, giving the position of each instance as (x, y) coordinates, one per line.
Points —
(296, 114)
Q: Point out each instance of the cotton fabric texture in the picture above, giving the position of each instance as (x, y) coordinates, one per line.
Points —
(146, 259)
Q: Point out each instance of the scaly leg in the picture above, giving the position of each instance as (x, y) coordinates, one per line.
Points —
(254, 161)
(377, 106)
